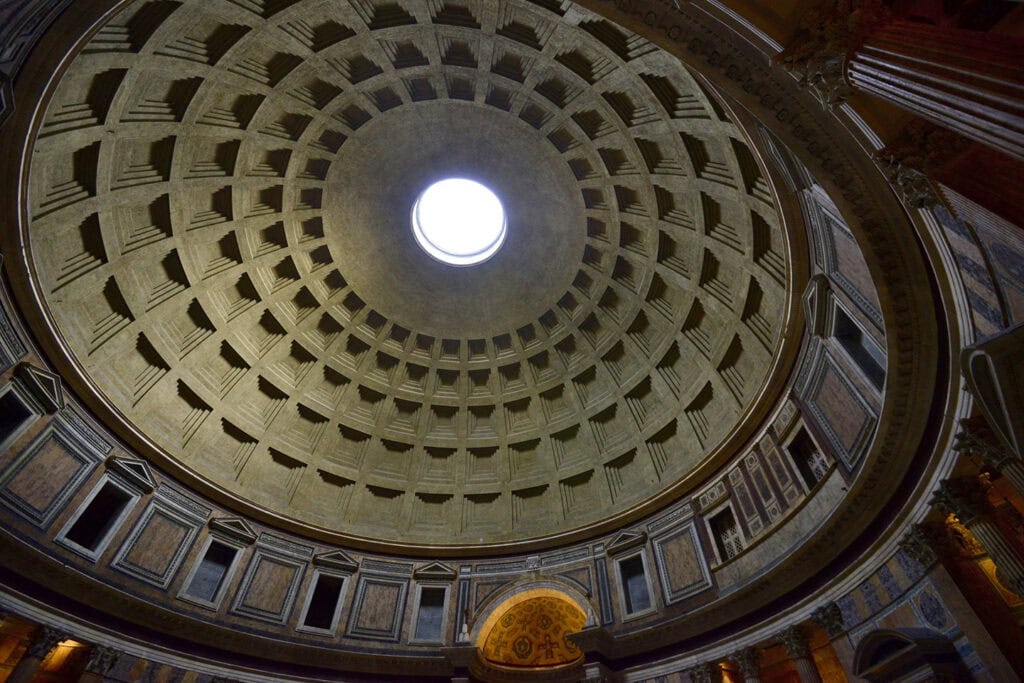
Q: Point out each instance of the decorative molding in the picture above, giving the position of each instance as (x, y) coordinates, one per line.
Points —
(44, 386)
(336, 559)
(625, 541)
(435, 571)
(134, 470)
(235, 527)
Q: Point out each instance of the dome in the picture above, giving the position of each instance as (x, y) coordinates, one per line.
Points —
(509, 340)
(236, 234)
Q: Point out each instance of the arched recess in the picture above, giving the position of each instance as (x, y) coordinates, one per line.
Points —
(907, 654)
(524, 628)
(491, 608)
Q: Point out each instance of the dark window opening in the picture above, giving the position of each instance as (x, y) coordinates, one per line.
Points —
(861, 348)
(99, 516)
(634, 585)
(13, 414)
(209, 576)
(810, 461)
(324, 602)
(727, 534)
(431, 614)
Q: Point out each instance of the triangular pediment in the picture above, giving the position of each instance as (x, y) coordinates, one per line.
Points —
(435, 571)
(336, 559)
(135, 470)
(626, 540)
(44, 386)
(235, 527)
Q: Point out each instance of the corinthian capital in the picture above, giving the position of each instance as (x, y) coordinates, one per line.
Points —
(45, 641)
(830, 618)
(965, 497)
(795, 641)
(828, 34)
(102, 659)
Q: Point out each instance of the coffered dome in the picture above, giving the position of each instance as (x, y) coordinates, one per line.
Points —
(221, 196)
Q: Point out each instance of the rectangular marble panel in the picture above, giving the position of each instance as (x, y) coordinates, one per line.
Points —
(269, 587)
(378, 608)
(45, 475)
(157, 545)
(840, 411)
(681, 564)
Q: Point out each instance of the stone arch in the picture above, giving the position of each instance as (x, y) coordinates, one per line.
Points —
(525, 632)
(907, 654)
(491, 608)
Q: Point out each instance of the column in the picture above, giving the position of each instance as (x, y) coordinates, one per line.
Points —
(704, 673)
(797, 647)
(971, 82)
(749, 662)
(966, 497)
(45, 640)
(101, 660)
(968, 81)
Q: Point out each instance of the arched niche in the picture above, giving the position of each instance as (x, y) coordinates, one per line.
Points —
(912, 654)
(522, 632)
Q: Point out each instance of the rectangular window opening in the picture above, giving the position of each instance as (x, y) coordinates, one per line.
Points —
(634, 585)
(98, 518)
(727, 534)
(13, 415)
(430, 617)
(324, 602)
(810, 461)
(209, 576)
(864, 352)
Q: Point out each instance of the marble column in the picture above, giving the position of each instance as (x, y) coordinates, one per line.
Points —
(45, 640)
(967, 81)
(966, 497)
(749, 662)
(101, 660)
(798, 648)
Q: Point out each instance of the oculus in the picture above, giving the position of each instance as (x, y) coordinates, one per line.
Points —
(459, 222)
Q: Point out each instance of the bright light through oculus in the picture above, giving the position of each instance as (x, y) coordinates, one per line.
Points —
(459, 221)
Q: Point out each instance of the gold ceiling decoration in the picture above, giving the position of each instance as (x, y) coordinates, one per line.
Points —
(532, 633)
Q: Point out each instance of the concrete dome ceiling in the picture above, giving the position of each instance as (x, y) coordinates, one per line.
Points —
(220, 231)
